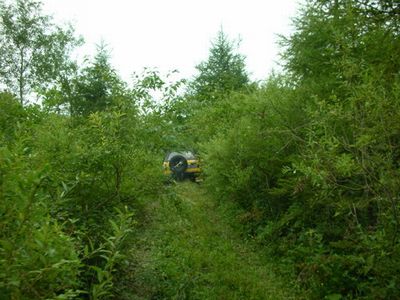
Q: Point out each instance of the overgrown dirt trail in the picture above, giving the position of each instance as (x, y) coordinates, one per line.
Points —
(188, 250)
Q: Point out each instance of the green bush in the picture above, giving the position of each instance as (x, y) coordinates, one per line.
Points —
(314, 163)
(68, 189)
(37, 259)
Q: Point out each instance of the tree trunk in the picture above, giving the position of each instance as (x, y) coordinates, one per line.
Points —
(21, 77)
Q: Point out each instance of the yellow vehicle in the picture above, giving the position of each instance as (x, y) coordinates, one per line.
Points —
(181, 165)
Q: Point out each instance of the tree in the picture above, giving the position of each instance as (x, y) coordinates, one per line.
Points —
(222, 72)
(33, 50)
(97, 86)
(335, 41)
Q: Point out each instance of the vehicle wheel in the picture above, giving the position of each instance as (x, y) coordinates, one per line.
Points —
(178, 165)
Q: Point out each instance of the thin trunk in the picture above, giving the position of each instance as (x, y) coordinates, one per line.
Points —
(118, 179)
(21, 77)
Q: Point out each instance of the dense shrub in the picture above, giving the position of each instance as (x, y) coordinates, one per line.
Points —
(310, 158)
(69, 189)
(315, 162)
(38, 259)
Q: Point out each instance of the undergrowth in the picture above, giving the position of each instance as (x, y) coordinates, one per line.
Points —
(189, 250)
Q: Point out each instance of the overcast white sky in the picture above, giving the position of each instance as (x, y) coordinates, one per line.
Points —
(176, 34)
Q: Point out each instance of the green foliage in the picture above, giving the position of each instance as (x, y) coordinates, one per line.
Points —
(223, 72)
(111, 252)
(97, 87)
(11, 115)
(308, 163)
(37, 259)
(34, 51)
(189, 250)
(314, 163)
(71, 184)
(254, 125)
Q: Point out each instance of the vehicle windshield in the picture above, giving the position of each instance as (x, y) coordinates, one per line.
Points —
(186, 154)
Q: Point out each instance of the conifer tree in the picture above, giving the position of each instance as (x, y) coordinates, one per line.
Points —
(222, 72)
